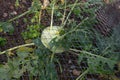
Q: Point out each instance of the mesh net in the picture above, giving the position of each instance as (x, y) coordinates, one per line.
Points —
(91, 48)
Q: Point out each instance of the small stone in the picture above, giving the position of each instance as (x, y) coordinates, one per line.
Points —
(9, 3)
(13, 13)
(11, 7)
(5, 14)
(72, 67)
(24, 1)
(69, 61)
(118, 7)
(76, 72)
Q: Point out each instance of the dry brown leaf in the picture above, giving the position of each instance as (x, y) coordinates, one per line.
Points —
(113, 77)
(107, 1)
(10, 53)
(5, 14)
(45, 4)
(28, 41)
(62, 1)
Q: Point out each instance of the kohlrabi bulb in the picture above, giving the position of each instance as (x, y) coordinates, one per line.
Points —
(49, 34)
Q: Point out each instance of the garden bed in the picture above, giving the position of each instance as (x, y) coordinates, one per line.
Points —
(67, 65)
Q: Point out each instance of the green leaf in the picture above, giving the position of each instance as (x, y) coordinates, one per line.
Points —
(77, 11)
(31, 32)
(98, 63)
(1, 29)
(25, 49)
(36, 6)
(7, 27)
(4, 69)
(3, 41)
(80, 58)
(23, 55)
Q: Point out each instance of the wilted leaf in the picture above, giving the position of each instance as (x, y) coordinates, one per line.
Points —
(25, 49)
(10, 53)
(28, 41)
(22, 55)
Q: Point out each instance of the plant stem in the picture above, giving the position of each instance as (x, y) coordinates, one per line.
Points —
(52, 56)
(85, 72)
(18, 16)
(60, 66)
(89, 53)
(68, 6)
(74, 29)
(40, 13)
(64, 13)
(16, 47)
(104, 52)
(70, 13)
(52, 16)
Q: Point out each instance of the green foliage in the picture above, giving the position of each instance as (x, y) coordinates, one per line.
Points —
(78, 35)
(104, 54)
(16, 66)
(17, 4)
(111, 42)
(7, 27)
(36, 6)
(98, 63)
(109, 46)
(33, 31)
(2, 41)
(46, 66)
(81, 37)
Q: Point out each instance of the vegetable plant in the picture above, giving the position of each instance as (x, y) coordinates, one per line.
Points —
(33, 31)
(71, 35)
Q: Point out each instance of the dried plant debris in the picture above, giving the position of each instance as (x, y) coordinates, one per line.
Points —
(108, 16)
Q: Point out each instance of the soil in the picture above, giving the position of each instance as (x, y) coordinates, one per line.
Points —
(8, 10)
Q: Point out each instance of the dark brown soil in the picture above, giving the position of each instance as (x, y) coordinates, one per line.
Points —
(9, 11)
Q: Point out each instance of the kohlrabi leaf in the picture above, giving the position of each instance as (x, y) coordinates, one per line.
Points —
(7, 27)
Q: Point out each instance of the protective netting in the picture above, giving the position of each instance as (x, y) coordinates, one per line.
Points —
(90, 48)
